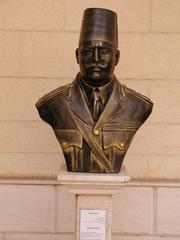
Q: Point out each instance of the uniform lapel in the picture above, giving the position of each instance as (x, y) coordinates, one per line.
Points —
(79, 105)
(114, 105)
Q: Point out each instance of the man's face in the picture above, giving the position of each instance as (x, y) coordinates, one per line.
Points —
(97, 60)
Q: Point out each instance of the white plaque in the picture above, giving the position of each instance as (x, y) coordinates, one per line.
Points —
(92, 224)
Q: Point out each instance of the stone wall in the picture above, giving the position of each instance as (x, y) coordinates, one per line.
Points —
(37, 43)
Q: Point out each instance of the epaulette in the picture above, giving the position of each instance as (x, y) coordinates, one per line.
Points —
(139, 95)
(123, 92)
(51, 94)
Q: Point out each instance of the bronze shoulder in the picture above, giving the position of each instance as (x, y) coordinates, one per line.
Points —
(53, 93)
(138, 95)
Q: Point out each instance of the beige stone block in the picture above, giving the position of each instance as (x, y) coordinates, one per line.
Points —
(129, 238)
(161, 238)
(18, 96)
(2, 237)
(166, 15)
(156, 139)
(149, 56)
(25, 208)
(144, 238)
(32, 15)
(49, 54)
(53, 55)
(132, 15)
(30, 165)
(164, 167)
(168, 211)
(39, 137)
(137, 166)
(132, 210)
(27, 136)
(165, 95)
(39, 237)
(38, 54)
(65, 211)
(10, 57)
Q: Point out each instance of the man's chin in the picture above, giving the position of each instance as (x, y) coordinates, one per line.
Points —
(96, 76)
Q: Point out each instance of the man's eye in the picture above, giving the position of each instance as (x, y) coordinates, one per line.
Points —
(87, 51)
(105, 51)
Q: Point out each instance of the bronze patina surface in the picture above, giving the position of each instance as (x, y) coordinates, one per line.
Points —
(95, 117)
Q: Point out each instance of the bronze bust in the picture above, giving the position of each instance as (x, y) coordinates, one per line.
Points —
(95, 117)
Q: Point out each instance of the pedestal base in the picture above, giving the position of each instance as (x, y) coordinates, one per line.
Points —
(93, 201)
(73, 178)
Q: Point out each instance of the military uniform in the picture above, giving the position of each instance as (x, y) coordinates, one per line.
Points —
(88, 145)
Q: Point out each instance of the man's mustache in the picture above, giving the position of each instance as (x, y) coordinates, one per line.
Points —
(95, 65)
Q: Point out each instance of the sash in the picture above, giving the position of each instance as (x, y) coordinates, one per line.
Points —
(87, 134)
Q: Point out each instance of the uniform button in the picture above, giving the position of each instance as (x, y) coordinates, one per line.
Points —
(96, 132)
(63, 144)
(121, 145)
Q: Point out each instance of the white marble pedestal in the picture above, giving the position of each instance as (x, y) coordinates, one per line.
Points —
(93, 201)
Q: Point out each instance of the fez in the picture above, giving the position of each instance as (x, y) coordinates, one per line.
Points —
(99, 24)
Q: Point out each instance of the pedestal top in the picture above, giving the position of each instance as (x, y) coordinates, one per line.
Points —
(93, 179)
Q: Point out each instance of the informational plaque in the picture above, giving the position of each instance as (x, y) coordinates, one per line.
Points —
(92, 224)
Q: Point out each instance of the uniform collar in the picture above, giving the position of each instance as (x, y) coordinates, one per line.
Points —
(105, 91)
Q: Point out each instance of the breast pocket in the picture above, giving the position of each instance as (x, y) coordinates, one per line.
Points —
(68, 138)
(118, 137)
(116, 144)
(71, 143)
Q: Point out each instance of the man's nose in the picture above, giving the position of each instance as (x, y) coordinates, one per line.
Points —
(96, 55)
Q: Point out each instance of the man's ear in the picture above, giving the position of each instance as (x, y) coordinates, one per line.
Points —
(77, 55)
(117, 56)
